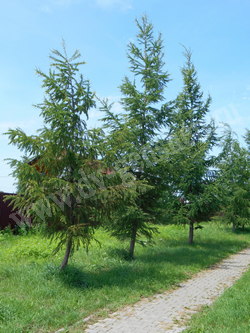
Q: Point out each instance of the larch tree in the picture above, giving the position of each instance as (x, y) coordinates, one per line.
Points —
(62, 182)
(234, 171)
(132, 136)
(189, 151)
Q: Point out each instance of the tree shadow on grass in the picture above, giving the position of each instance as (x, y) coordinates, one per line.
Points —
(241, 231)
(201, 253)
(120, 276)
(148, 267)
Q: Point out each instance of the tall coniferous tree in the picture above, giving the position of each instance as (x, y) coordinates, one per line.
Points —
(134, 133)
(192, 139)
(65, 187)
(234, 171)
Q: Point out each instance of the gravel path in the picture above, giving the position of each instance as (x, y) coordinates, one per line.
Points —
(170, 311)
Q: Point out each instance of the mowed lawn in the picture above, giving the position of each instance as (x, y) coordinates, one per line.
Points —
(229, 314)
(36, 297)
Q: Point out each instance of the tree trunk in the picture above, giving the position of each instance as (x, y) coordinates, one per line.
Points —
(233, 227)
(191, 232)
(69, 213)
(67, 254)
(132, 243)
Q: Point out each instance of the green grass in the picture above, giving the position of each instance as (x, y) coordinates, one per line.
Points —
(36, 297)
(229, 314)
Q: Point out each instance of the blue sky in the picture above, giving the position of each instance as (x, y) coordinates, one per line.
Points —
(218, 33)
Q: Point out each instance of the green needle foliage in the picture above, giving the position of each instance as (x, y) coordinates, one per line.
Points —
(65, 187)
(189, 148)
(247, 139)
(235, 182)
(132, 136)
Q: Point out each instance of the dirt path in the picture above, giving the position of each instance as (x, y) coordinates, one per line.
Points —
(170, 311)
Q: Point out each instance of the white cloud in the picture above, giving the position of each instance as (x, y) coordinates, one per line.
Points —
(49, 5)
(246, 94)
(45, 9)
(65, 3)
(121, 4)
(232, 116)
(28, 125)
(5, 125)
